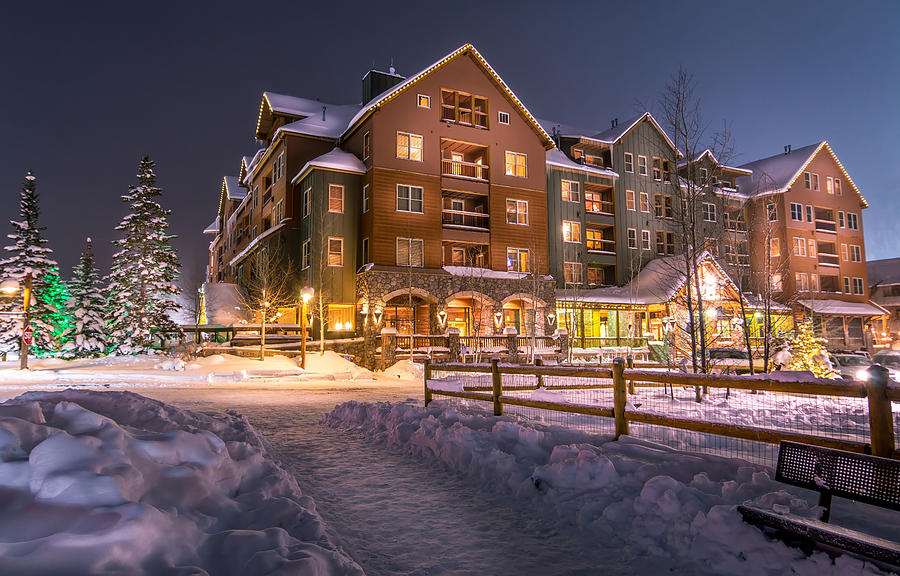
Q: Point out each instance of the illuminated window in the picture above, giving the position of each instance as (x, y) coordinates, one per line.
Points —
(335, 251)
(410, 252)
(423, 101)
(844, 252)
(571, 231)
(340, 316)
(799, 246)
(409, 199)
(517, 212)
(335, 198)
(516, 164)
(657, 169)
(811, 248)
(571, 191)
(837, 186)
(629, 199)
(503, 117)
(458, 257)
(629, 162)
(517, 259)
(409, 146)
(829, 185)
(774, 247)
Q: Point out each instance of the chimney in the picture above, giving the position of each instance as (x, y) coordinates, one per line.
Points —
(375, 82)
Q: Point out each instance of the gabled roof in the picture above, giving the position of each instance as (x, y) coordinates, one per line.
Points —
(883, 272)
(402, 87)
(776, 174)
(714, 160)
(556, 157)
(213, 228)
(617, 132)
(328, 123)
(831, 307)
(336, 160)
(281, 104)
(569, 131)
(231, 190)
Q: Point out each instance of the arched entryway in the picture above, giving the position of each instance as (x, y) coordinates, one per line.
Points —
(409, 311)
(472, 313)
(525, 313)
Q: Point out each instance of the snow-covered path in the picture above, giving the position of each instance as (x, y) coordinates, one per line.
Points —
(367, 493)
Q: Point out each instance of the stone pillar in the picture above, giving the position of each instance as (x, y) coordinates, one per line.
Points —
(512, 344)
(453, 344)
(388, 347)
(370, 342)
(434, 324)
(562, 337)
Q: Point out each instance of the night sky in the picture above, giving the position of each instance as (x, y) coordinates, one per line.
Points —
(88, 88)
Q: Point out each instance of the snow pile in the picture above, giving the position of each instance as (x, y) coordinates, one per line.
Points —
(665, 510)
(112, 482)
(333, 363)
(406, 370)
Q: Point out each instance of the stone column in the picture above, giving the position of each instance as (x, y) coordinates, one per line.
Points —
(512, 344)
(453, 344)
(562, 337)
(388, 347)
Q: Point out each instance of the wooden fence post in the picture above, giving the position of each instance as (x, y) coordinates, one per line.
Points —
(629, 361)
(427, 378)
(497, 386)
(881, 421)
(620, 397)
(538, 362)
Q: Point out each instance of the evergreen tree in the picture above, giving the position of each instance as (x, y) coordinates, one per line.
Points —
(86, 336)
(808, 351)
(29, 253)
(142, 285)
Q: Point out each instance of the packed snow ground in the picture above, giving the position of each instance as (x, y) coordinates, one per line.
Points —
(405, 491)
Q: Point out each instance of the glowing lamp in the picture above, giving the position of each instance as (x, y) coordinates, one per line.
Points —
(442, 317)
(9, 286)
(307, 293)
(551, 318)
(498, 319)
(377, 316)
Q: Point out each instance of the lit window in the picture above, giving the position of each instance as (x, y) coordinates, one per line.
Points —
(774, 247)
(409, 146)
(571, 231)
(409, 199)
(629, 199)
(340, 316)
(844, 253)
(629, 162)
(517, 212)
(517, 259)
(642, 165)
(799, 246)
(811, 248)
(829, 185)
(458, 257)
(503, 117)
(571, 191)
(335, 198)
(423, 101)
(410, 252)
(657, 169)
(837, 186)
(516, 164)
(335, 251)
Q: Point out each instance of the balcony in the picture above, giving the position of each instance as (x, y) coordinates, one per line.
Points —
(825, 220)
(599, 199)
(826, 259)
(464, 161)
(465, 211)
(463, 169)
(465, 220)
(600, 240)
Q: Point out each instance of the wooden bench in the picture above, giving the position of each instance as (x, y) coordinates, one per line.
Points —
(830, 472)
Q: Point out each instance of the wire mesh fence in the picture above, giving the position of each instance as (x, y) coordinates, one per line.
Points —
(657, 411)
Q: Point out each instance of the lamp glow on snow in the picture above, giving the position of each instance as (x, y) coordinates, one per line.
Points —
(306, 294)
(9, 287)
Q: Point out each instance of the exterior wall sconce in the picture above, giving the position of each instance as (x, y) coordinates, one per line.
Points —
(377, 316)
(551, 318)
(498, 319)
(442, 317)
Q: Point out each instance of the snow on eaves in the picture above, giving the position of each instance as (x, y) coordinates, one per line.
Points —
(212, 228)
(842, 308)
(233, 188)
(293, 105)
(776, 173)
(240, 256)
(556, 157)
(337, 160)
(335, 121)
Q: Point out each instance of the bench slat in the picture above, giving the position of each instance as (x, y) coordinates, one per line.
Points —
(816, 531)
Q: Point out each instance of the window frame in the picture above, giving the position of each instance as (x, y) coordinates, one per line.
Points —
(631, 201)
(573, 226)
(515, 156)
(365, 198)
(409, 252)
(645, 200)
(305, 254)
(799, 246)
(631, 238)
(409, 146)
(500, 115)
(772, 212)
(774, 247)
(331, 188)
(518, 259)
(706, 212)
(423, 98)
(409, 199)
(798, 217)
(857, 281)
(577, 272)
(642, 166)
(574, 194)
(517, 212)
(329, 252)
(645, 240)
(628, 161)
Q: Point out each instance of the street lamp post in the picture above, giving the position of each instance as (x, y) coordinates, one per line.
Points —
(305, 295)
(10, 287)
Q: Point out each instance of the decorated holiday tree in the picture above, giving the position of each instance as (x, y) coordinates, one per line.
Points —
(86, 336)
(808, 351)
(142, 289)
(29, 253)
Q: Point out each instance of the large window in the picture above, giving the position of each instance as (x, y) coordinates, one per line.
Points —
(855, 253)
(464, 108)
(409, 146)
(629, 162)
(571, 231)
(335, 198)
(802, 281)
(571, 191)
(517, 212)
(572, 272)
(852, 221)
(858, 286)
(410, 252)
(517, 259)
(335, 251)
(409, 198)
(774, 247)
(665, 242)
(799, 246)
(709, 212)
(516, 164)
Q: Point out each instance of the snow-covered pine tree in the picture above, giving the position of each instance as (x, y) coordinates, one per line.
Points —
(29, 252)
(86, 337)
(141, 291)
(808, 351)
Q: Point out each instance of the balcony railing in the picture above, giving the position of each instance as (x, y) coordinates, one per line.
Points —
(828, 259)
(826, 226)
(464, 219)
(600, 207)
(461, 169)
(601, 245)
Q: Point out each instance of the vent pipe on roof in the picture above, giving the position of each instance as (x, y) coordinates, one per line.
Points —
(787, 149)
(614, 123)
(323, 113)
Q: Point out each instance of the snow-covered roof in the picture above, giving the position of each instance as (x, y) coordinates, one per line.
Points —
(617, 132)
(657, 282)
(883, 272)
(556, 157)
(394, 91)
(569, 131)
(285, 105)
(336, 119)
(714, 160)
(776, 174)
(337, 160)
(240, 256)
(842, 308)
(470, 271)
(757, 302)
(213, 228)
(232, 187)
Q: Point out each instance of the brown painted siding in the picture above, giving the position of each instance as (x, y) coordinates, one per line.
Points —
(533, 236)
(387, 223)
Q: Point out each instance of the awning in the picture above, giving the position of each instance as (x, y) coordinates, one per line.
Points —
(841, 308)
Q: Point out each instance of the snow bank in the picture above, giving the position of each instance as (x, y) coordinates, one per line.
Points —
(333, 363)
(666, 510)
(112, 482)
(406, 370)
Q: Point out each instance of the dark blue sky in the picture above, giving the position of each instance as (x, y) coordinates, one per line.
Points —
(87, 88)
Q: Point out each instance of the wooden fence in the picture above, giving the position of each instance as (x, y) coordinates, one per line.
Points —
(623, 382)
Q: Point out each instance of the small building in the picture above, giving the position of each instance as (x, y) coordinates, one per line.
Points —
(884, 290)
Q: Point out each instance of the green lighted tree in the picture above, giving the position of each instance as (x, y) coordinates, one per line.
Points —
(54, 293)
(808, 351)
